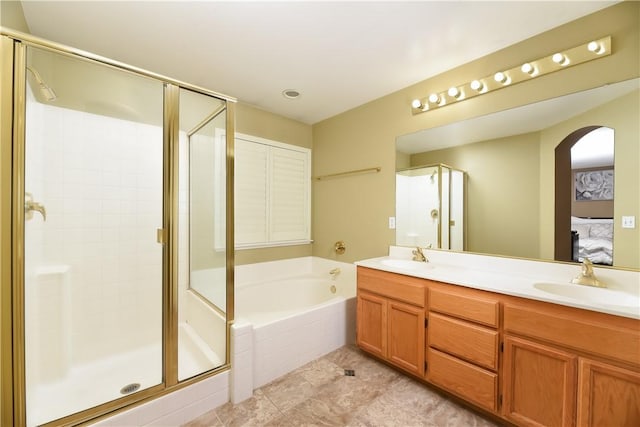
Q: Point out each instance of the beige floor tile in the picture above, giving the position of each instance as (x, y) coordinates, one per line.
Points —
(450, 414)
(255, 411)
(319, 394)
(209, 419)
(289, 390)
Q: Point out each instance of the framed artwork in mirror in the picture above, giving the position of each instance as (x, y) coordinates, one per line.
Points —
(594, 185)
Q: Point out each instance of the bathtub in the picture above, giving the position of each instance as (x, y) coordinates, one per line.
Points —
(288, 313)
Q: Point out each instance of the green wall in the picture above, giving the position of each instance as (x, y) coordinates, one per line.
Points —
(502, 177)
(356, 209)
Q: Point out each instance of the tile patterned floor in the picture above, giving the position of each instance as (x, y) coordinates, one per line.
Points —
(319, 394)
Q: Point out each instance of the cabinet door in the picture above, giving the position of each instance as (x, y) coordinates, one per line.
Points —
(406, 336)
(607, 395)
(539, 384)
(372, 324)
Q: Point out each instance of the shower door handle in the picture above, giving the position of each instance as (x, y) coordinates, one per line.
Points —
(30, 206)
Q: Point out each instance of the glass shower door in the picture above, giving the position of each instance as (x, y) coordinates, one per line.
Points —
(202, 231)
(93, 266)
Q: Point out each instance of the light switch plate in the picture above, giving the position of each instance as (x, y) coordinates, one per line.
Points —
(392, 223)
(628, 222)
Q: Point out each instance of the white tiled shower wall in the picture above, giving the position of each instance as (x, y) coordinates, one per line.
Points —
(100, 180)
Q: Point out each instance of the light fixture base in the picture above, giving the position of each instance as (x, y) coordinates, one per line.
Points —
(585, 52)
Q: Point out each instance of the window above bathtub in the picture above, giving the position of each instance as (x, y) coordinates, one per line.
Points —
(272, 193)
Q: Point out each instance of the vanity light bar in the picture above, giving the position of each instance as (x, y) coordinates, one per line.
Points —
(557, 61)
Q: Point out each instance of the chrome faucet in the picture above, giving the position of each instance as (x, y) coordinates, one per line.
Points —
(418, 255)
(587, 277)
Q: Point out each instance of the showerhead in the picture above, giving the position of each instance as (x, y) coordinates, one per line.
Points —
(45, 90)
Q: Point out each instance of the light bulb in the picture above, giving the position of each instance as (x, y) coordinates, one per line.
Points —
(527, 68)
(454, 92)
(434, 98)
(501, 77)
(595, 47)
(477, 85)
(416, 103)
(560, 59)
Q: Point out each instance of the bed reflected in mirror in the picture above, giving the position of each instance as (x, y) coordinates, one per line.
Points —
(592, 196)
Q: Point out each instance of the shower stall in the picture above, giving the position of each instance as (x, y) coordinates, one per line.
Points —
(430, 207)
(116, 189)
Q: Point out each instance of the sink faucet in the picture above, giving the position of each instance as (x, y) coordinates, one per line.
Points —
(418, 255)
(587, 277)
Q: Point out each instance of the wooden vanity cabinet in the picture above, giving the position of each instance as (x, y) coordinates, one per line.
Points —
(390, 310)
(564, 366)
(463, 343)
(529, 362)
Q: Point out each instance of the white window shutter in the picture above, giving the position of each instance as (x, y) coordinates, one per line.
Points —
(250, 192)
(289, 195)
(272, 193)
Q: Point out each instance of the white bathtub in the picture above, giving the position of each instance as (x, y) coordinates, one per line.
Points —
(286, 316)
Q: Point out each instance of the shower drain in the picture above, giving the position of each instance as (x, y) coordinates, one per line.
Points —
(129, 388)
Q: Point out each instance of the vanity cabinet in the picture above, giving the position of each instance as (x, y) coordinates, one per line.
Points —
(463, 343)
(565, 366)
(390, 310)
(528, 362)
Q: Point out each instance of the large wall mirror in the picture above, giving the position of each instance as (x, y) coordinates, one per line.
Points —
(512, 171)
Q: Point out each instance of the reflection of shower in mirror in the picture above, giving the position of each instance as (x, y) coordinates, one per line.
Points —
(439, 191)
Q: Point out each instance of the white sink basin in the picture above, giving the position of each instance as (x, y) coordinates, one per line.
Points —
(405, 264)
(590, 294)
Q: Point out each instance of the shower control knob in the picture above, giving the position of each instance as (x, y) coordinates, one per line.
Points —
(30, 206)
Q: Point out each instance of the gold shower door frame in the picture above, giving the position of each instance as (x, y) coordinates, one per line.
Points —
(13, 47)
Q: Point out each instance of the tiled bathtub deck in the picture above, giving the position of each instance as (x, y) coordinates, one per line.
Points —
(319, 394)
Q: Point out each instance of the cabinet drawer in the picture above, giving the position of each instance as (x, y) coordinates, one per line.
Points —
(597, 333)
(471, 342)
(463, 379)
(469, 307)
(401, 288)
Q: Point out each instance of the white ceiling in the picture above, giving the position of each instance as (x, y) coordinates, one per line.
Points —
(337, 54)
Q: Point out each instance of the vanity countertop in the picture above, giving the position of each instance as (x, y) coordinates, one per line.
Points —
(538, 280)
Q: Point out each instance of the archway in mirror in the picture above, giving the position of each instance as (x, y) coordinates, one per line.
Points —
(584, 196)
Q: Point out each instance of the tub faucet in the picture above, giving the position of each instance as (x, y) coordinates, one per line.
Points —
(334, 273)
(418, 255)
(587, 277)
